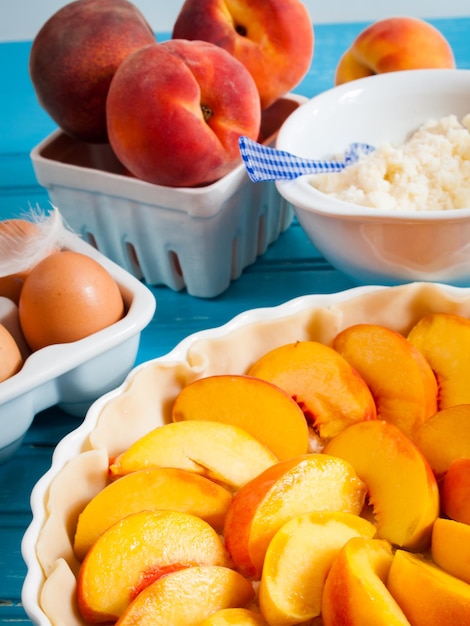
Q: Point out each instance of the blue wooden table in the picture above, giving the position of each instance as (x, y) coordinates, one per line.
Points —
(291, 267)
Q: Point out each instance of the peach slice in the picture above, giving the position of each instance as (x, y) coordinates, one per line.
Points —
(235, 617)
(444, 340)
(312, 482)
(233, 456)
(445, 437)
(455, 491)
(329, 391)
(450, 547)
(260, 408)
(160, 488)
(138, 550)
(401, 380)
(188, 597)
(401, 486)
(426, 593)
(297, 562)
(355, 593)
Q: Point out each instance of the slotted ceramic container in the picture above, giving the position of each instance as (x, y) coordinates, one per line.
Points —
(198, 239)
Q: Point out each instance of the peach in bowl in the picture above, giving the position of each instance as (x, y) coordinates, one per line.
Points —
(285, 491)
(402, 213)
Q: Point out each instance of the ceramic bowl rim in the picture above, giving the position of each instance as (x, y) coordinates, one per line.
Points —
(305, 197)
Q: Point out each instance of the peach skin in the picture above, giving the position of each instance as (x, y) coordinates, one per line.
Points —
(426, 593)
(174, 85)
(187, 597)
(401, 486)
(233, 457)
(312, 482)
(297, 562)
(100, 35)
(159, 488)
(455, 491)
(273, 39)
(450, 547)
(355, 593)
(139, 549)
(400, 379)
(330, 392)
(444, 340)
(259, 407)
(393, 44)
(445, 437)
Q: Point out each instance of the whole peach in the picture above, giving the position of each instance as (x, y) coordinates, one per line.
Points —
(74, 57)
(274, 39)
(394, 44)
(176, 110)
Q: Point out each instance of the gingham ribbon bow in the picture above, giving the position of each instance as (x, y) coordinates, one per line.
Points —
(265, 163)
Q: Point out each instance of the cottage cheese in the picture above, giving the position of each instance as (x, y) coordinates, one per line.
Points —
(430, 171)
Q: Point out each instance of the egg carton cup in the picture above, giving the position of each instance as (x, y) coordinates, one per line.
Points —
(195, 238)
(72, 375)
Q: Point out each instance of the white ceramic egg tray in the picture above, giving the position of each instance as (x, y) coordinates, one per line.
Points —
(72, 375)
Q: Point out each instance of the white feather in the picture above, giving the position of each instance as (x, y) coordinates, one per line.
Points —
(19, 254)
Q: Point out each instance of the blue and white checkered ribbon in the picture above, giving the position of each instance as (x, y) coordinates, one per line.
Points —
(265, 163)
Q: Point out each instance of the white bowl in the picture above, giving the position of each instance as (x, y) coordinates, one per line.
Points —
(368, 244)
(80, 462)
(72, 375)
(199, 238)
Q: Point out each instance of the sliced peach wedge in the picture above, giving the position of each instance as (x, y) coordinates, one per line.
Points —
(401, 380)
(355, 593)
(450, 547)
(223, 452)
(426, 593)
(445, 437)
(330, 392)
(401, 486)
(235, 617)
(188, 597)
(138, 550)
(297, 562)
(312, 482)
(159, 488)
(257, 406)
(444, 340)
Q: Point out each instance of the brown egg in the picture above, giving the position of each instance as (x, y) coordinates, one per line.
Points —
(66, 297)
(10, 355)
(19, 235)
